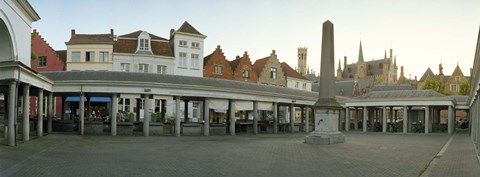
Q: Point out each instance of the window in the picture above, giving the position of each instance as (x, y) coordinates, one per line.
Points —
(144, 44)
(273, 73)
(158, 107)
(124, 104)
(161, 69)
(183, 43)
(195, 45)
(245, 73)
(75, 56)
(454, 87)
(183, 59)
(195, 61)
(42, 61)
(195, 109)
(89, 56)
(304, 86)
(218, 70)
(103, 57)
(143, 68)
(125, 67)
(296, 84)
(457, 78)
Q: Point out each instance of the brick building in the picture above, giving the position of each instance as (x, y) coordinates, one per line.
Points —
(243, 69)
(216, 65)
(269, 71)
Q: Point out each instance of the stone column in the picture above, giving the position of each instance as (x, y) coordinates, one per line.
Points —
(185, 116)
(355, 118)
(365, 118)
(232, 118)
(206, 125)
(113, 115)
(427, 119)
(40, 113)
(26, 112)
(384, 120)
(372, 118)
(81, 106)
(177, 115)
(50, 112)
(450, 121)
(146, 114)
(12, 86)
(275, 118)
(405, 119)
(347, 119)
(307, 120)
(292, 118)
(255, 117)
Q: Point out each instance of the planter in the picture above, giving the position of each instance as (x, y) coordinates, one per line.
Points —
(155, 129)
(137, 126)
(93, 127)
(218, 129)
(125, 128)
(62, 125)
(168, 129)
(107, 127)
(191, 129)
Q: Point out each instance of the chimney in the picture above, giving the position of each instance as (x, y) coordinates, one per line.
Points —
(171, 32)
(73, 32)
(111, 32)
(218, 46)
(237, 57)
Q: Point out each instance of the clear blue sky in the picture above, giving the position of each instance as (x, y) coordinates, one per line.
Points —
(421, 33)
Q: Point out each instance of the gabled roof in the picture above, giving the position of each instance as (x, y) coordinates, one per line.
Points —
(392, 87)
(137, 33)
(62, 55)
(187, 28)
(401, 94)
(259, 65)
(427, 73)
(91, 39)
(290, 72)
(130, 46)
(234, 63)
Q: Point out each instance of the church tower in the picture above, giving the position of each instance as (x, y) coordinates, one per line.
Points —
(361, 65)
(339, 72)
(302, 60)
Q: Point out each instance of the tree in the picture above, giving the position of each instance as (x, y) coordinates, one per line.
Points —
(464, 88)
(435, 85)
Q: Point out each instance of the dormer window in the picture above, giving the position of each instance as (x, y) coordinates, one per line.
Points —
(144, 44)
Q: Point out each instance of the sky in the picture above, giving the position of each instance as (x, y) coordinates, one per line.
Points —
(422, 33)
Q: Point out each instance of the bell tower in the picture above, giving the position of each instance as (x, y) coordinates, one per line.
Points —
(302, 60)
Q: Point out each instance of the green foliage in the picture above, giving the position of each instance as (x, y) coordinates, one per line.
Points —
(156, 117)
(435, 85)
(131, 117)
(33, 56)
(464, 88)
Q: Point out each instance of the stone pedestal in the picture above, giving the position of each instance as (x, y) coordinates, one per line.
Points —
(326, 128)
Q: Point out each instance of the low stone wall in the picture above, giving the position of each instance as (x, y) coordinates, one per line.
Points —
(124, 128)
(218, 129)
(155, 129)
(93, 128)
(191, 129)
(62, 126)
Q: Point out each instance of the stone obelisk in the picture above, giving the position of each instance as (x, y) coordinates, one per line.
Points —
(326, 109)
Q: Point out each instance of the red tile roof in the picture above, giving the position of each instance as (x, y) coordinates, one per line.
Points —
(130, 46)
(259, 65)
(290, 72)
(90, 39)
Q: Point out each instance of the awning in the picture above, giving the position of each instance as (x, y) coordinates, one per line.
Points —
(92, 99)
(265, 106)
(218, 104)
(243, 105)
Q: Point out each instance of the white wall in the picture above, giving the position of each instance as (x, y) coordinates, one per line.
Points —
(188, 71)
(135, 59)
(19, 26)
(291, 82)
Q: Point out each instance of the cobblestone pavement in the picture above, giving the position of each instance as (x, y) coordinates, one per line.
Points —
(363, 154)
(459, 159)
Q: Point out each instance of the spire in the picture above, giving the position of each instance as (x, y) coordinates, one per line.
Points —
(339, 68)
(360, 53)
(385, 57)
(395, 61)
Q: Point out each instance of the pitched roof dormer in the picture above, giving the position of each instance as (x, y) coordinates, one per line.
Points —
(144, 44)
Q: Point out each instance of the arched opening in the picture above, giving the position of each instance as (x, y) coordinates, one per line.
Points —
(6, 47)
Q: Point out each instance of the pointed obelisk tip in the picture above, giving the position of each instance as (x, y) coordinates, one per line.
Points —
(327, 22)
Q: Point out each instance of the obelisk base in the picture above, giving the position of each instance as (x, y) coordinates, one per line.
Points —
(326, 128)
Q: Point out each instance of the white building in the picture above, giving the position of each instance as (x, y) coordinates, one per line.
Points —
(141, 51)
(294, 79)
(187, 45)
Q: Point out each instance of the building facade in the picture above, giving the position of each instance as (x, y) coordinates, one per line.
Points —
(188, 45)
(269, 71)
(141, 51)
(90, 51)
(216, 65)
(243, 69)
(294, 79)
